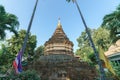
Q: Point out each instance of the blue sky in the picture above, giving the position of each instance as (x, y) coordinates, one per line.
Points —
(48, 12)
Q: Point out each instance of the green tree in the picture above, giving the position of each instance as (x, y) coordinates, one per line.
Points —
(9, 50)
(8, 22)
(84, 46)
(112, 22)
(40, 50)
(15, 43)
(100, 37)
(5, 59)
(117, 69)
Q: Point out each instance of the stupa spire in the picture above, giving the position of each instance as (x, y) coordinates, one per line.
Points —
(59, 23)
(59, 43)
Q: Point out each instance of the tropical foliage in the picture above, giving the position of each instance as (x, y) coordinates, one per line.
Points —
(8, 22)
(112, 22)
(100, 37)
(15, 43)
(69, 0)
(12, 47)
(25, 75)
(117, 70)
(39, 52)
(5, 59)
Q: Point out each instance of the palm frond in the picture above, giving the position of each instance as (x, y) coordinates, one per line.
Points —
(68, 0)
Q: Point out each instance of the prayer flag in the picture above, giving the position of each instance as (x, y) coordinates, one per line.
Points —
(106, 61)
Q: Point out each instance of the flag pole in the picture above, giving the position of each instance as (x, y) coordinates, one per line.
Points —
(102, 72)
(29, 27)
(17, 62)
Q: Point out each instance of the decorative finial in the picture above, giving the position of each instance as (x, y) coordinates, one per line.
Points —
(59, 20)
(59, 24)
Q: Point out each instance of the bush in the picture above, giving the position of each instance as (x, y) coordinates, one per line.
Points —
(25, 75)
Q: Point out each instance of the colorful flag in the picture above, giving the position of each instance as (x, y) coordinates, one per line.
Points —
(106, 61)
(17, 63)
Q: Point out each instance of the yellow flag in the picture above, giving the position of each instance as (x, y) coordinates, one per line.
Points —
(106, 61)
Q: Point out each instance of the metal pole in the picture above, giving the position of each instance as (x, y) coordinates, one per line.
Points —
(102, 73)
(29, 27)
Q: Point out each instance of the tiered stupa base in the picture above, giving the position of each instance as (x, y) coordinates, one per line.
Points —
(63, 67)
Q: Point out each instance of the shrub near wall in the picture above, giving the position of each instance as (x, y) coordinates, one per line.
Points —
(25, 75)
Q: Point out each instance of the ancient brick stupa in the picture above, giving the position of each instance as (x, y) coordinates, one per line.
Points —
(58, 61)
(59, 43)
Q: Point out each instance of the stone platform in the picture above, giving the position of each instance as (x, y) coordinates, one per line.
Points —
(63, 67)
